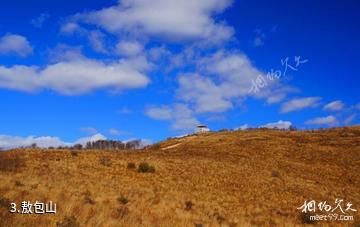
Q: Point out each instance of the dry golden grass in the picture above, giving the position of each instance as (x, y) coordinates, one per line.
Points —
(251, 178)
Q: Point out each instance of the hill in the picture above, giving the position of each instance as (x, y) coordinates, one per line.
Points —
(242, 178)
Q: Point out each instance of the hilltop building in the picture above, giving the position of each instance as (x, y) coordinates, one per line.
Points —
(202, 129)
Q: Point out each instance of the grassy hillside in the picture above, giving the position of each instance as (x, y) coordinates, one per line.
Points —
(245, 178)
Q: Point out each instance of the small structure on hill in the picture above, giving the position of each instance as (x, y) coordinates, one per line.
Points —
(202, 129)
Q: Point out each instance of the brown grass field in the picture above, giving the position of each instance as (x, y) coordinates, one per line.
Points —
(242, 178)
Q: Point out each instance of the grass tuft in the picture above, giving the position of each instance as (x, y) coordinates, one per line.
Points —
(145, 167)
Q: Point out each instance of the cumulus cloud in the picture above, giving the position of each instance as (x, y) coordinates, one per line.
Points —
(243, 127)
(299, 104)
(328, 120)
(223, 79)
(180, 116)
(349, 119)
(70, 28)
(357, 106)
(8, 142)
(334, 106)
(259, 38)
(92, 138)
(175, 20)
(279, 125)
(129, 48)
(39, 21)
(96, 39)
(15, 44)
(75, 77)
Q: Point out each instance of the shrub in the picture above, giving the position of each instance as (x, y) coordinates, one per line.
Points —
(275, 173)
(18, 184)
(144, 167)
(11, 162)
(131, 165)
(188, 205)
(88, 199)
(123, 200)
(69, 221)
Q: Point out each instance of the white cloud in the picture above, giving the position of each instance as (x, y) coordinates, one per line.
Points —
(334, 106)
(275, 98)
(259, 38)
(15, 44)
(96, 39)
(357, 106)
(349, 119)
(279, 125)
(76, 77)
(243, 127)
(70, 28)
(175, 20)
(92, 138)
(159, 113)
(207, 96)
(129, 48)
(223, 79)
(299, 104)
(180, 116)
(7, 142)
(39, 21)
(329, 120)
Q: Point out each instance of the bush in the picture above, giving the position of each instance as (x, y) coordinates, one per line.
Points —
(18, 184)
(88, 199)
(188, 205)
(144, 167)
(69, 221)
(275, 173)
(123, 200)
(131, 165)
(11, 162)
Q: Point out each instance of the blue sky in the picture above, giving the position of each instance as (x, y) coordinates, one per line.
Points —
(79, 70)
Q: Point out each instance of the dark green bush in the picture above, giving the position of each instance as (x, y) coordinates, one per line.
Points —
(123, 200)
(144, 167)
